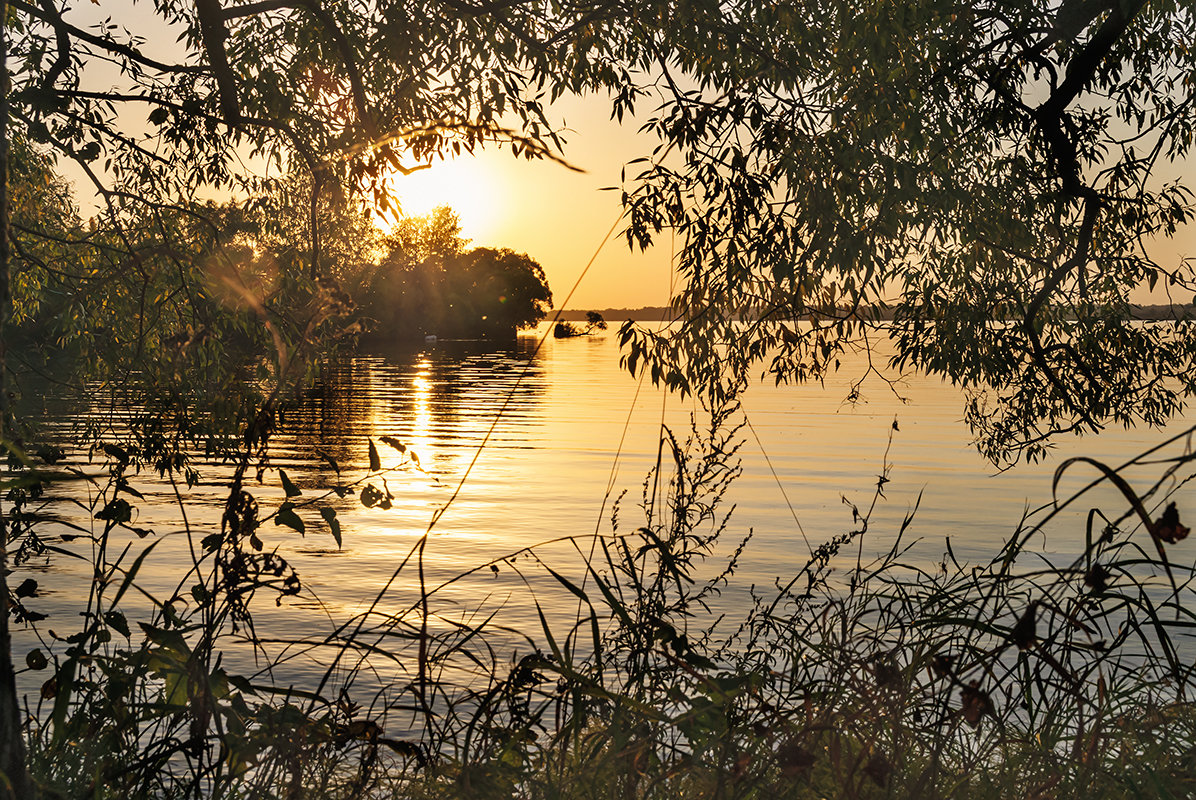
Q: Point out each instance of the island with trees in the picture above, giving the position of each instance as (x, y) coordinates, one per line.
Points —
(429, 283)
(564, 329)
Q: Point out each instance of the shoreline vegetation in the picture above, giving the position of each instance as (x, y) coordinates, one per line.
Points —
(846, 679)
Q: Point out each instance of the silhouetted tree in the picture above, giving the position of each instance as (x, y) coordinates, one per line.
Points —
(496, 292)
(428, 283)
(567, 330)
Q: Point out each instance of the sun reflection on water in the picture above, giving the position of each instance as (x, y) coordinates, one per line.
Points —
(421, 403)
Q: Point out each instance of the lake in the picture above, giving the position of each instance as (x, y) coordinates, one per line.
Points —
(537, 445)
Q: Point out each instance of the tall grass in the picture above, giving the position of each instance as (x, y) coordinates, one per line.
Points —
(1020, 677)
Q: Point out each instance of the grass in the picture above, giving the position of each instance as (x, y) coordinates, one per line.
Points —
(1016, 678)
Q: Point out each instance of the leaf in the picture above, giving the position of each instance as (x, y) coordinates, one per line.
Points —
(287, 485)
(395, 443)
(1168, 527)
(375, 462)
(329, 515)
(28, 588)
(131, 573)
(568, 584)
(63, 685)
(117, 622)
(50, 454)
(794, 760)
(371, 495)
(974, 703)
(117, 452)
(117, 511)
(331, 461)
(1024, 633)
(170, 641)
(286, 516)
(174, 688)
(35, 659)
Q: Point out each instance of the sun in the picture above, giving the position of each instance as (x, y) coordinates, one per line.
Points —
(467, 184)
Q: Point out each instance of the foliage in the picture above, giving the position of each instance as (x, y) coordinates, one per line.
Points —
(136, 703)
(1060, 680)
(280, 219)
(192, 324)
(42, 217)
(416, 239)
(848, 680)
(429, 283)
(347, 92)
(994, 176)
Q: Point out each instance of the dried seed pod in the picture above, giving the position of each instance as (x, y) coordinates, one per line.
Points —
(1024, 633)
(1167, 528)
(975, 703)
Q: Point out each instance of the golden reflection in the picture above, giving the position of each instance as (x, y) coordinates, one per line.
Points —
(438, 404)
(421, 407)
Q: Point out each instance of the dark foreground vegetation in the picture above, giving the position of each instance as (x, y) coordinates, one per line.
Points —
(992, 173)
(1016, 678)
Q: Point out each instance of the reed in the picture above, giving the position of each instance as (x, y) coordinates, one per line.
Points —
(1020, 677)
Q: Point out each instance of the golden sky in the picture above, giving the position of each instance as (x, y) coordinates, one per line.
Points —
(556, 215)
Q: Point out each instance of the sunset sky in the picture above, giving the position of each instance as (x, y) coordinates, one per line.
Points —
(554, 214)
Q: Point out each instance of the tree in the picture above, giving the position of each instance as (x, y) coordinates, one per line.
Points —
(989, 175)
(429, 283)
(415, 239)
(278, 222)
(499, 291)
(567, 330)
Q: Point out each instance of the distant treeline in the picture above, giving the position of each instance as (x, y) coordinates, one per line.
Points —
(653, 313)
(617, 315)
(1182, 311)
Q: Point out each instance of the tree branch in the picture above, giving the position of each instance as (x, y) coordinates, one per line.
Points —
(213, 33)
(1081, 68)
(63, 44)
(356, 85)
(126, 51)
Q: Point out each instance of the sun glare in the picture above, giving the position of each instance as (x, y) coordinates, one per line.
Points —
(465, 184)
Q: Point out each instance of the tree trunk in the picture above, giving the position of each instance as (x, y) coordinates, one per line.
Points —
(14, 780)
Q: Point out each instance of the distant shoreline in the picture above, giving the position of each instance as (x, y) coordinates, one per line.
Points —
(657, 313)
(616, 315)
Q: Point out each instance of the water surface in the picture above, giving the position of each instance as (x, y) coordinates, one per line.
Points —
(522, 445)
